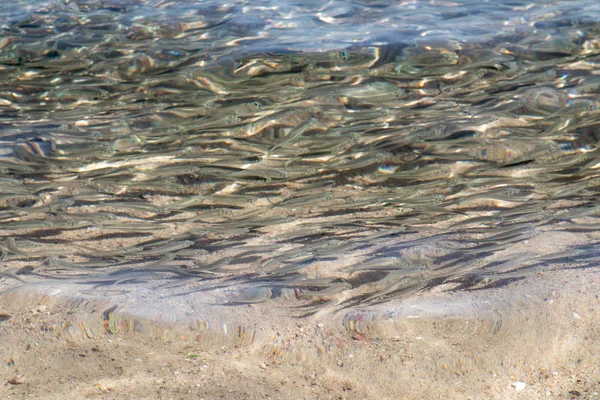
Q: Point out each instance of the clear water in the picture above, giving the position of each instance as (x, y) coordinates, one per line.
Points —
(315, 157)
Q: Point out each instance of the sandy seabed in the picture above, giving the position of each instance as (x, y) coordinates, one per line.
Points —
(533, 338)
(536, 338)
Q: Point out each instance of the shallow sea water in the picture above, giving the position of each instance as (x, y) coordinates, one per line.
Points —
(187, 161)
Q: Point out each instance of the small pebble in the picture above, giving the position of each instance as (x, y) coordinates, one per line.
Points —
(17, 380)
(101, 387)
(519, 386)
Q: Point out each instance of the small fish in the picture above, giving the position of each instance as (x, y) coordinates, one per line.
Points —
(55, 262)
(402, 286)
(580, 227)
(560, 255)
(304, 200)
(519, 273)
(558, 45)
(378, 264)
(572, 189)
(331, 290)
(427, 60)
(261, 174)
(485, 248)
(12, 274)
(214, 267)
(121, 251)
(508, 233)
(513, 261)
(296, 132)
(169, 248)
(28, 224)
(12, 246)
(128, 227)
(165, 261)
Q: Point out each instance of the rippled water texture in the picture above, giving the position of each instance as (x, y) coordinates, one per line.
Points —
(319, 156)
